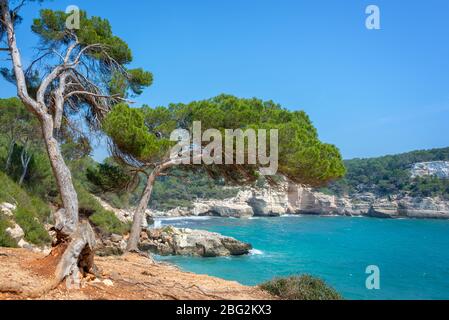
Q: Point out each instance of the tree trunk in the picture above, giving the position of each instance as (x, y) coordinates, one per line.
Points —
(25, 158)
(69, 219)
(78, 238)
(10, 152)
(133, 241)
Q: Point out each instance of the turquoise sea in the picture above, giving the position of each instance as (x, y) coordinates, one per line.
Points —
(413, 255)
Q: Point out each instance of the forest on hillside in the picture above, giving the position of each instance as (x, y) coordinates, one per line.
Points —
(391, 175)
(27, 181)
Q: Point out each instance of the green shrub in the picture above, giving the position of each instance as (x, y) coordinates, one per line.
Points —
(303, 287)
(101, 218)
(33, 228)
(108, 222)
(31, 212)
(5, 239)
(13, 193)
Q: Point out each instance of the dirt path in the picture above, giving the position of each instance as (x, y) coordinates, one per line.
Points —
(127, 277)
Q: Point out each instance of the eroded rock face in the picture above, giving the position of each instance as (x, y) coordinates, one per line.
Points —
(233, 210)
(263, 202)
(270, 202)
(176, 212)
(294, 199)
(369, 204)
(183, 241)
(438, 169)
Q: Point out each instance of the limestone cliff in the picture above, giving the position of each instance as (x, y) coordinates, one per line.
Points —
(294, 199)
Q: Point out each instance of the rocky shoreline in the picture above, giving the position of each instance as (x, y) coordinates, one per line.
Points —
(287, 199)
(291, 199)
(187, 242)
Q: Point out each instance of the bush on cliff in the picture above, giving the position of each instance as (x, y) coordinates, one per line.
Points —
(101, 218)
(5, 239)
(303, 287)
(31, 212)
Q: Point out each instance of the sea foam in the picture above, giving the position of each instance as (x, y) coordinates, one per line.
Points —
(255, 252)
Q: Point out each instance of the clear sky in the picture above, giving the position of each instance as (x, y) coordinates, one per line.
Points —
(370, 92)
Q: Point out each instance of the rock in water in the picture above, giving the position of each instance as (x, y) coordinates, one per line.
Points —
(173, 241)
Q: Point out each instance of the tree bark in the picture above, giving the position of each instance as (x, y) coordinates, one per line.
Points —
(139, 213)
(10, 152)
(78, 238)
(69, 220)
(25, 159)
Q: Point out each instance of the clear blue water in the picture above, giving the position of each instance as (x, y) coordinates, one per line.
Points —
(413, 255)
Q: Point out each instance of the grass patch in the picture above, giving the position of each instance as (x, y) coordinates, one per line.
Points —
(5, 239)
(33, 228)
(303, 287)
(107, 221)
(31, 211)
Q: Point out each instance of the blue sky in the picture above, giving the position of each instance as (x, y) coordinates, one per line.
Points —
(370, 92)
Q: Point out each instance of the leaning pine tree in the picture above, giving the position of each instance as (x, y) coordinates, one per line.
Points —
(140, 140)
(77, 74)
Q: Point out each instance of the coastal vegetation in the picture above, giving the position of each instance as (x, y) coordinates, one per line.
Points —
(79, 89)
(80, 85)
(304, 287)
(81, 73)
(391, 175)
(142, 144)
(36, 191)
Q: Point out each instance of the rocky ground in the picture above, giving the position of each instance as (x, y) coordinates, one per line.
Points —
(25, 275)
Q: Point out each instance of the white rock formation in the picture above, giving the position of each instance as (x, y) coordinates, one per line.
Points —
(439, 169)
(294, 199)
(183, 241)
(15, 232)
(7, 209)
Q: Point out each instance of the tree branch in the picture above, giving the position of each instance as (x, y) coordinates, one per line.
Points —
(22, 90)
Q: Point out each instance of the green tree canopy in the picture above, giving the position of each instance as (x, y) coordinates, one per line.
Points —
(143, 135)
(140, 139)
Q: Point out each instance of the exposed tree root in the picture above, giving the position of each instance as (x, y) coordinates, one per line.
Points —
(78, 258)
(73, 260)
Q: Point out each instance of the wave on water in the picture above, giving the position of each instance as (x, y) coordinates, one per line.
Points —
(184, 218)
(255, 252)
(157, 224)
(291, 215)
